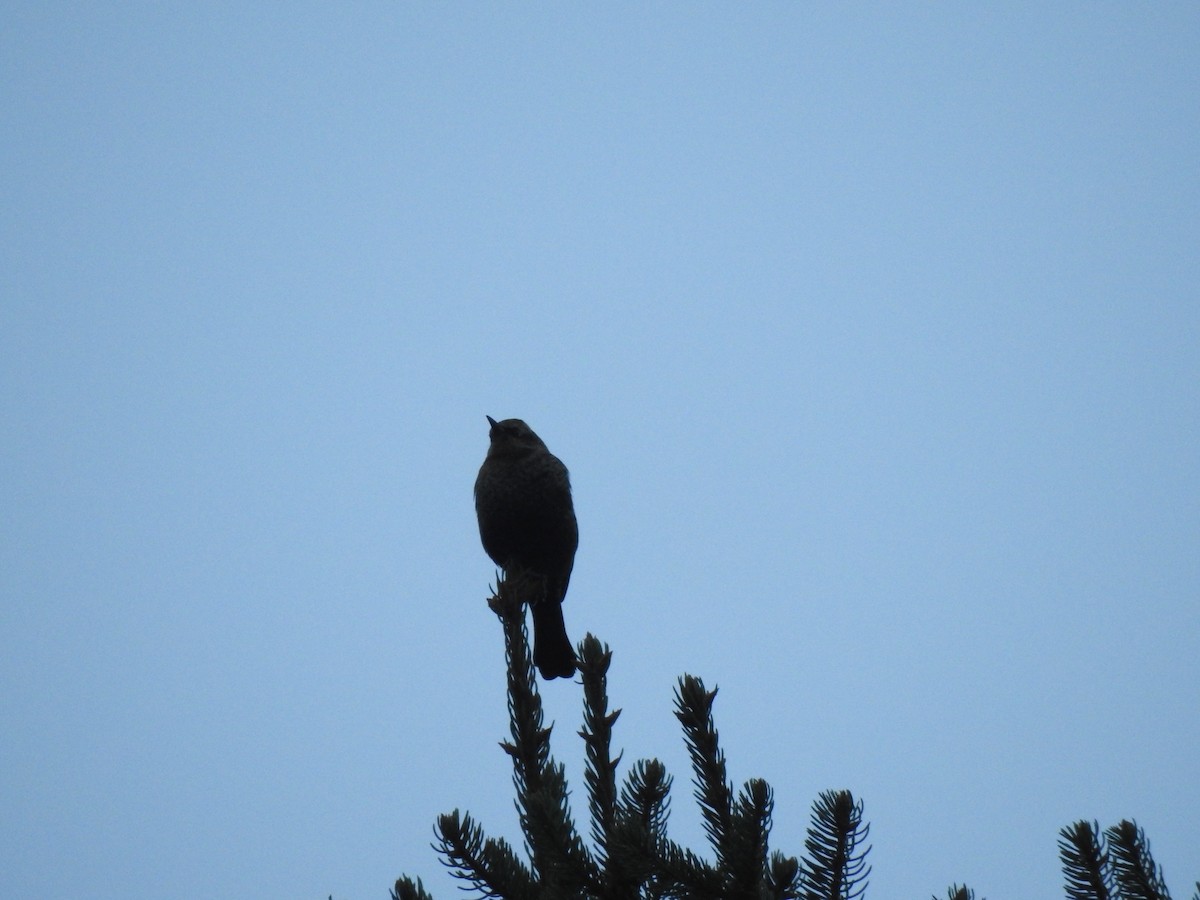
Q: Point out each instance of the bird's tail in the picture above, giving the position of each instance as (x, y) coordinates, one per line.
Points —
(552, 651)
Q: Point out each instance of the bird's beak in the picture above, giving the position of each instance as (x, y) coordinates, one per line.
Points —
(491, 421)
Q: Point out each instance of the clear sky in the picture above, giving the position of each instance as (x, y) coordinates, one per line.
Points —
(870, 335)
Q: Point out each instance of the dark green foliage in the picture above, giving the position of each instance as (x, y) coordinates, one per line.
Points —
(638, 841)
(630, 856)
(488, 864)
(601, 768)
(1137, 876)
(958, 892)
(834, 867)
(693, 708)
(783, 876)
(560, 860)
(407, 889)
(1085, 862)
(1115, 865)
(737, 830)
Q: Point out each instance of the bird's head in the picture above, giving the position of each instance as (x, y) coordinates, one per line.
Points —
(512, 437)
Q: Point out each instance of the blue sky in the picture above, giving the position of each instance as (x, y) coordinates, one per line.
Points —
(870, 335)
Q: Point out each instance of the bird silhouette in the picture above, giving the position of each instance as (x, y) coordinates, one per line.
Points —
(527, 525)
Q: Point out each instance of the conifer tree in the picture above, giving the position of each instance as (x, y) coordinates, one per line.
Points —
(1113, 865)
(629, 855)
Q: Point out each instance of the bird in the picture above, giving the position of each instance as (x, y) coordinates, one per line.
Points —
(527, 526)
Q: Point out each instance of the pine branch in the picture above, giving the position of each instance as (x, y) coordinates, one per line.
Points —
(406, 889)
(685, 875)
(488, 865)
(559, 856)
(1081, 848)
(784, 877)
(563, 863)
(833, 867)
(958, 892)
(638, 836)
(693, 708)
(600, 774)
(645, 797)
(625, 850)
(1137, 875)
(750, 827)
(664, 868)
(530, 747)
